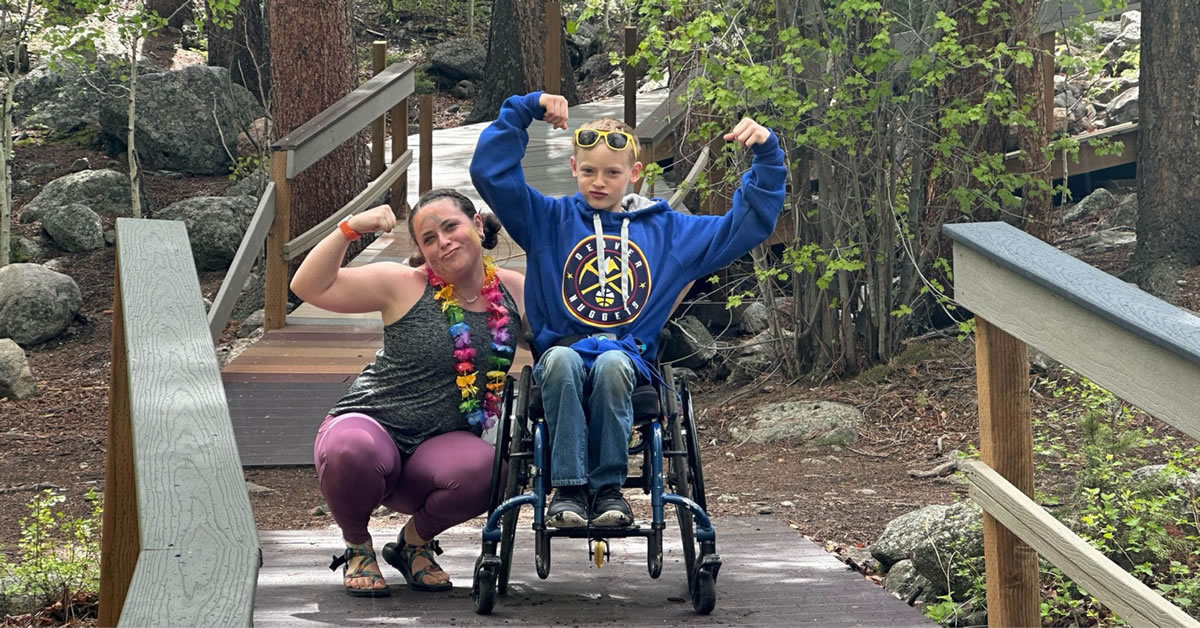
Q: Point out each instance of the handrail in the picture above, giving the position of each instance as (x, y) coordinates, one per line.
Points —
(373, 192)
(1025, 292)
(345, 118)
(235, 278)
(179, 544)
(689, 182)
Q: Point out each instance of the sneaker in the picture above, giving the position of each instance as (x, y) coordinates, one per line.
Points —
(610, 509)
(568, 509)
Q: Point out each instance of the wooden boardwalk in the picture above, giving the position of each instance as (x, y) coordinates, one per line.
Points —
(771, 576)
(280, 388)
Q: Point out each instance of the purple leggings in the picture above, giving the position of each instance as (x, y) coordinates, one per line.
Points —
(442, 484)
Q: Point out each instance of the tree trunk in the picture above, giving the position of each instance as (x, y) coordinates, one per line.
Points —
(516, 48)
(177, 12)
(1168, 226)
(313, 66)
(1030, 85)
(242, 49)
(6, 146)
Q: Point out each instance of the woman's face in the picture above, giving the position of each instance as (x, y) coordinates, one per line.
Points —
(449, 240)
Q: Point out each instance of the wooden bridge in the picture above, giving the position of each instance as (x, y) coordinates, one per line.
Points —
(179, 542)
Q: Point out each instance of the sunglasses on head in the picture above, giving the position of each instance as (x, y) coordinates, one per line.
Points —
(616, 140)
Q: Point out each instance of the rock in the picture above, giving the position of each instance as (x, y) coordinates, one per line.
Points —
(453, 108)
(1129, 39)
(1040, 362)
(105, 192)
(460, 58)
(690, 345)
(1105, 32)
(215, 226)
(903, 534)
(752, 317)
(16, 380)
(253, 323)
(1124, 108)
(1060, 119)
(24, 250)
(319, 511)
(81, 164)
(1124, 214)
(250, 185)
(255, 139)
(596, 67)
(1189, 483)
(683, 374)
(904, 581)
(860, 559)
(822, 422)
(58, 99)
(36, 303)
(110, 237)
(1098, 201)
(21, 186)
(37, 170)
(178, 116)
(727, 499)
(584, 43)
(953, 541)
(255, 489)
(75, 228)
(463, 89)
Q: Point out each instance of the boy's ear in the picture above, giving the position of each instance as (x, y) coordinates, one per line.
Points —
(637, 170)
(574, 171)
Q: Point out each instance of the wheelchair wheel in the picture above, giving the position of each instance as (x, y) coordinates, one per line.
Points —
(518, 475)
(496, 496)
(704, 593)
(692, 438)
(677, 479)
(483, 587)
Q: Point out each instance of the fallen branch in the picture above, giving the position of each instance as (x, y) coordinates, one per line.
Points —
(946, 468)
(28, 487)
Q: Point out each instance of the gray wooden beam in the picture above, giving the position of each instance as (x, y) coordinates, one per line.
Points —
(1141, 348)
(191, 496)
(345, 118)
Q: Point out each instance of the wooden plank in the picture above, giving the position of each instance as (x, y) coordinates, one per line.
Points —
(1006, 445)
(1089, 158)
(399, 147)
(552, 57)
(631, 46)
(345, 118)
(215, 587)
(1144, 350)
(1056, 15)
(771, 576)
(119, 533)
(190, 491)
(1127, 596)
(426, 130)
(369, 197)
(379, 125)
(275, 289)
(248, 250)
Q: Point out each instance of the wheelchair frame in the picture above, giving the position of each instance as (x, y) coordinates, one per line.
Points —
(523, 442)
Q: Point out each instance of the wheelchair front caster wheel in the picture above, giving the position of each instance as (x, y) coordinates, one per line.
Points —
(599, 552)
(704, 592)
(483, 588)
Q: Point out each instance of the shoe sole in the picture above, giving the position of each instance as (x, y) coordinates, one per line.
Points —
(612, 519)
(566, 520)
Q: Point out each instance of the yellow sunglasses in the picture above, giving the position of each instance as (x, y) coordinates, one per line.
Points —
(616, 140)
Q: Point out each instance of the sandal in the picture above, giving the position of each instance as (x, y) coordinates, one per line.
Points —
(402, 555)
(368, 555)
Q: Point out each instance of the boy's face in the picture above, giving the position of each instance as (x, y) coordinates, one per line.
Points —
(604, 174)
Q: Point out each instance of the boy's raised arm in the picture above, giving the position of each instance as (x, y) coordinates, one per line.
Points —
(496, 168)
(756, 206)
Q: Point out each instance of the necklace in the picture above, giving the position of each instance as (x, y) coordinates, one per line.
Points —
(471, 300)
(464, 353)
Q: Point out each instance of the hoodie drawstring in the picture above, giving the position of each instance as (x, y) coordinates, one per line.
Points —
(602, 260)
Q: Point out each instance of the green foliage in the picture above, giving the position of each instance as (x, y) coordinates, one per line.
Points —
(244, 167)
(58, 556)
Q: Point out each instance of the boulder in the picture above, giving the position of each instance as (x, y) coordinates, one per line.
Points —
(819, 422)
(105, 192)
(187, 120)
(16, 380)
(254, 140)
(690, 345)
(215, 226)
(24, 250)
(74, 228)
(1123, 108)
(752, 317)
(904, 581)
(903, 534)
(596, 67)
(952, 542)
(458, 59)
(36, 303)
(1099, 201)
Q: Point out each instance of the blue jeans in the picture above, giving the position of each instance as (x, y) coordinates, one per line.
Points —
(587, 451)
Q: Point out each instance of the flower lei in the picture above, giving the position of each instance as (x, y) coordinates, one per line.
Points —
(464, 354)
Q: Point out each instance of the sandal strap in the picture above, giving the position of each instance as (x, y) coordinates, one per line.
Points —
(426, 551)
(367, 552)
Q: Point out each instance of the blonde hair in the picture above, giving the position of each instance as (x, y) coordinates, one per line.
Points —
(612, 124)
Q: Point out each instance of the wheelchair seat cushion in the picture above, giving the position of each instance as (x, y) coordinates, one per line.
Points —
(645, 403)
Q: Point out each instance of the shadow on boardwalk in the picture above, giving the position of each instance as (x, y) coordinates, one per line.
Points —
(772, 576)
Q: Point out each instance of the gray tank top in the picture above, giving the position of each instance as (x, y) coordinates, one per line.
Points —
(410, 387)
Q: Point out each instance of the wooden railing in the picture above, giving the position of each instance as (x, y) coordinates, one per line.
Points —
(388, 90)
(1146, 351)
(179, 543)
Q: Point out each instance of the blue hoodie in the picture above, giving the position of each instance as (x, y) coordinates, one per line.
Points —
(650, 252)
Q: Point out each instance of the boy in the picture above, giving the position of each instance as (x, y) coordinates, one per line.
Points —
(604, 269)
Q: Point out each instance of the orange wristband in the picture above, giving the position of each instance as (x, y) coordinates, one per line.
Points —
(350, 234)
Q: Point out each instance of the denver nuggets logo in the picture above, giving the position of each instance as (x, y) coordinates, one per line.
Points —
(598, 296)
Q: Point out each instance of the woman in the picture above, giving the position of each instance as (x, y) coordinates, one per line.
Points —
(406, 434)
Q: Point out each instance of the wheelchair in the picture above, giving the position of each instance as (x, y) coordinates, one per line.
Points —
(665, 426)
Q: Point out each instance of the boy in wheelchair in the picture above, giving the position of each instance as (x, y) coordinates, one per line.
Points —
(604, 269)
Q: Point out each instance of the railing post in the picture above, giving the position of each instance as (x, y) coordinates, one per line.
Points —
(276, 288)
(426, 169)
(120, 543)
(399, 145)
(1006, 445)
(631, 45)
(378, 127)
(552, 73)
(1047, 52)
